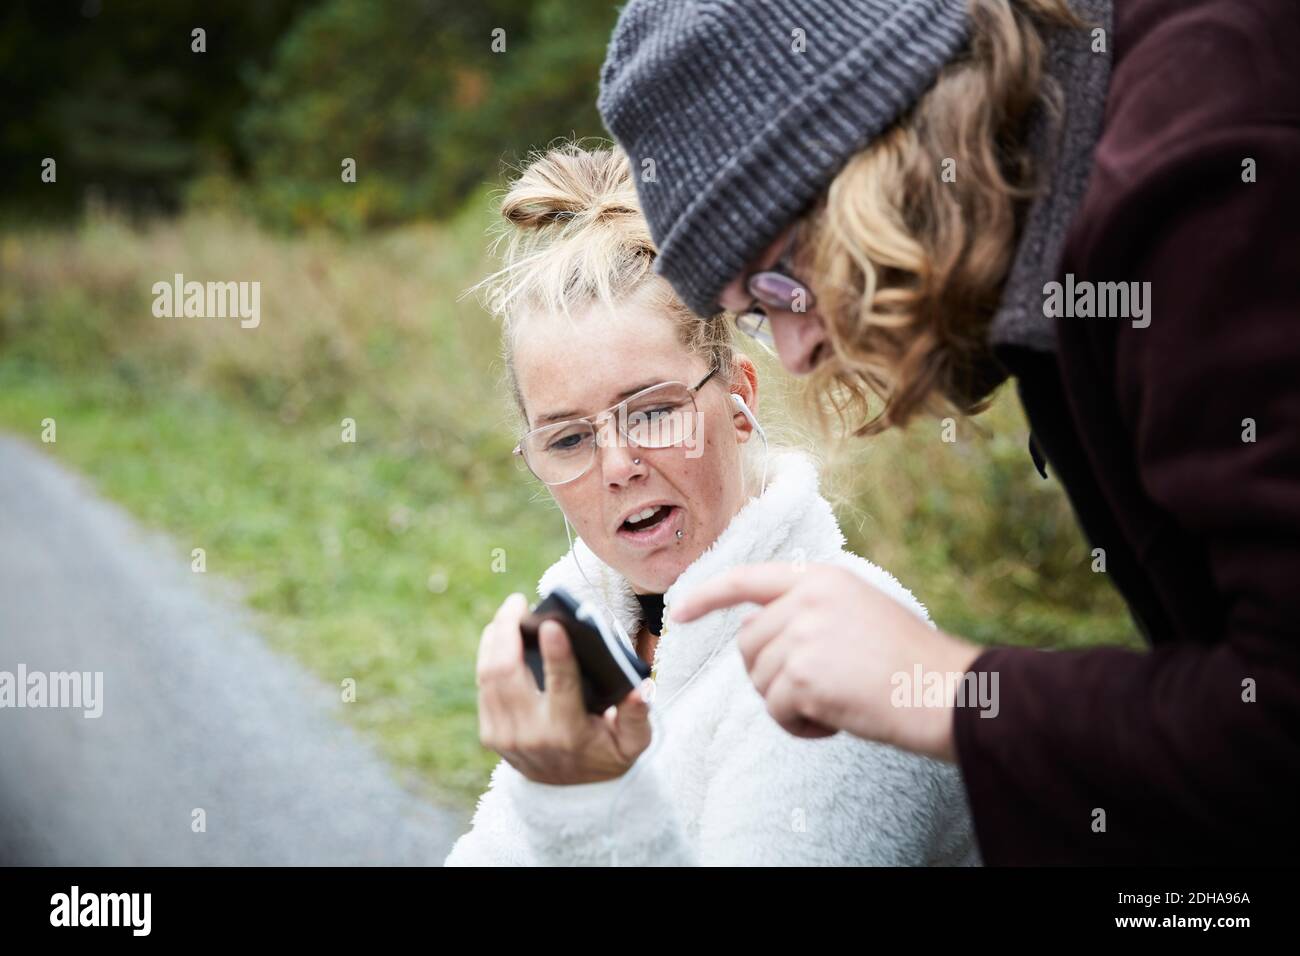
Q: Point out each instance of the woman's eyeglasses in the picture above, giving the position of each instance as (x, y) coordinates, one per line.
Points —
(657, 417)
(774, 288)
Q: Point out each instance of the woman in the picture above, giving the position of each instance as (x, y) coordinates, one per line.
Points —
(598, 348)
(919, 198)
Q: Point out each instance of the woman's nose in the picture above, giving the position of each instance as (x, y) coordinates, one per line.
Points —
(620, 460)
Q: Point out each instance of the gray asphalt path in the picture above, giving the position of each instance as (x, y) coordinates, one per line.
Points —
(197, 712)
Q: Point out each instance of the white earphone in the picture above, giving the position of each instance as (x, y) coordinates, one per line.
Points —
(749, 417)
(744, 410)
(656, 713)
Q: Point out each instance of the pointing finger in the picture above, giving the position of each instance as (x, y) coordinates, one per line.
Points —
(757, 583)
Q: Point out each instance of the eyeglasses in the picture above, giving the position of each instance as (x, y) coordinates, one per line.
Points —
(656, 417)
(776, 289)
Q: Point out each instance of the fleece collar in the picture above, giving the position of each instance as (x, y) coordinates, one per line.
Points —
(1084, 78)
(791, 521)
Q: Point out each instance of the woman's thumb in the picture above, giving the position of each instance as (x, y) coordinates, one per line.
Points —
(633, 720)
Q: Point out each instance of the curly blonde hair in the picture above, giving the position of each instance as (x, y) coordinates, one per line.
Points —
(909, 267)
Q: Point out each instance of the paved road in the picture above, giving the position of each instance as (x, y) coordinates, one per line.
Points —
(197, 712)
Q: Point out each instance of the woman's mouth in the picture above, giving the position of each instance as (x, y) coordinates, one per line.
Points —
(652, 526)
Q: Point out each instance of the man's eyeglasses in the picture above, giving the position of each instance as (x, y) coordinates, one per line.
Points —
(656, 417)
(773, 288)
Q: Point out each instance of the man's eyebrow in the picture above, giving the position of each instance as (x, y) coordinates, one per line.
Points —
(564, 416)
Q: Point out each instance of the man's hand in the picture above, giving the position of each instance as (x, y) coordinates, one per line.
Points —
(825, 649)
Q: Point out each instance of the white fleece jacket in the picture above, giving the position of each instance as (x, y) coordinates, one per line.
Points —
(722, 783)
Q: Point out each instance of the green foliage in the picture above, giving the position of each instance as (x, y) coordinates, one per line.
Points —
(117, 97)
(373, 560)
(427, 121)
(286, 90)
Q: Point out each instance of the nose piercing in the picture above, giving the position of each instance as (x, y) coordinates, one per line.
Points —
(679, 534)
(636, 461)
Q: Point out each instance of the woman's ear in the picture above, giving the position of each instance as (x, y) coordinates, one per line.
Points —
(745, 386)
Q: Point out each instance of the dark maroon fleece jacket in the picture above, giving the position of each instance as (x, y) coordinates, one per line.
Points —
(1191, 749)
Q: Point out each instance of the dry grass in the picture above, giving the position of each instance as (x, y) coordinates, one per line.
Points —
(374, 559)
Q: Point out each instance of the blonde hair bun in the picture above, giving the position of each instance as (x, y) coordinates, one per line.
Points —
(577, 187)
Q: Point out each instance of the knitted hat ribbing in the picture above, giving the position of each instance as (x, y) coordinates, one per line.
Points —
(737, 114)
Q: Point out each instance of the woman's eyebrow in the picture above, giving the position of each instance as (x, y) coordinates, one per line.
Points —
(564, 416)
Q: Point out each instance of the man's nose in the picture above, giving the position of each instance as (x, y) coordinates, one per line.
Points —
(796, 335)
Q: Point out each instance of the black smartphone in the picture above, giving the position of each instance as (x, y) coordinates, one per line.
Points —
(609, 670)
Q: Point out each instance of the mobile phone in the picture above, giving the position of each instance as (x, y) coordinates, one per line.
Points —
(609, 669)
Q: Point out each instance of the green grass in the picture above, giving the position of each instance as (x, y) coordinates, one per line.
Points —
(380, 560)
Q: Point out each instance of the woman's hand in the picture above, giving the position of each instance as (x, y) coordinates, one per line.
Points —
(549, 737)
(827, 651)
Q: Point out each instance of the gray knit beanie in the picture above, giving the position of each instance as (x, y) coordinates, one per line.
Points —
(737, 114)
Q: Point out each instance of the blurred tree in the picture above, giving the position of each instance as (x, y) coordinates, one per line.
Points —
(115, 94)
(286, 90)
(413, 91)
